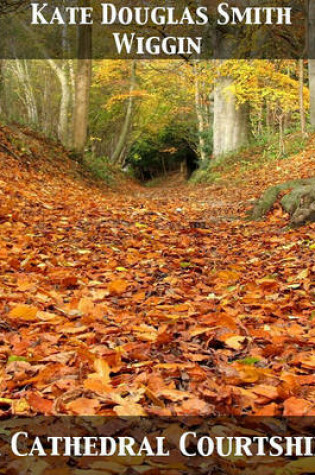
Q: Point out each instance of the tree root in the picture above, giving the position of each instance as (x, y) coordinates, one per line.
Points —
(10, 152)
(299, 202)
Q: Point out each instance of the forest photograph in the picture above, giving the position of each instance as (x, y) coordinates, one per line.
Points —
(157, 263)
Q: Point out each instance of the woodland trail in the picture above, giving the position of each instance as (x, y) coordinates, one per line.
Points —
(149, 302)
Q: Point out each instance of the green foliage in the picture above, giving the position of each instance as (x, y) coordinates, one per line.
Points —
(12, 358)
(294, 144)
(153, 156)
(171, 100)
(155, 182)
(261, 151)
(249, 361)
(99, 167)
(208, 139)
(206, 175)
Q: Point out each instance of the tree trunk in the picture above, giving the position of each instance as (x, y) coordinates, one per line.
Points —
(260, 121)
(65, 101)
(268, 117)
(3, 108)
(64, 109)
(311, 62)
(200, 118)
(230, 125)
(311, 73)
(281, 135)
(22, 71)
(301, 97)
(82, 92)
(63, 124)
(116, 157)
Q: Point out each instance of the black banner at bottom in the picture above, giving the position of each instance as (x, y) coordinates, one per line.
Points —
(153, 446)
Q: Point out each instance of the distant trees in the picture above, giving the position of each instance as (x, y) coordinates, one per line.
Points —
(257, 97)
(215, 107)
(133, 101)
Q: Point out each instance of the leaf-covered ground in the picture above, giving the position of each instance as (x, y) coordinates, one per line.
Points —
(150, 301)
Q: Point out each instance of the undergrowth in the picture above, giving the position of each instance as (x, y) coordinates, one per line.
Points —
(100, 168)
(258, 153)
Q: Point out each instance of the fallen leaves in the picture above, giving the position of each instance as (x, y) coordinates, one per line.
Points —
(117, 305)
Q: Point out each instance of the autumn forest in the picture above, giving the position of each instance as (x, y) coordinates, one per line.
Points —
(157, 246)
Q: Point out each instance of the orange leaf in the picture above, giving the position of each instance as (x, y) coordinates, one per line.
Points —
(69, 281)
(228, 276)
(173, 394)
(235, 342)
(86, 306)
(39, 404)
(130, 410)
(297, 407)
(271, 410)
(197, 407)
(103, 370)
(96, 385)
(26, 313)
(268, 392)
(20, 407)
(118, 286)
(84, 406)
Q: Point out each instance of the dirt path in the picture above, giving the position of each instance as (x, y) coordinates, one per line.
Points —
(147, 303)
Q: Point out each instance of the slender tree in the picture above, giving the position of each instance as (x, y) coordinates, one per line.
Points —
(200, 116)
(121, 145)
(82, 87)
(311, 62)
(301, 96)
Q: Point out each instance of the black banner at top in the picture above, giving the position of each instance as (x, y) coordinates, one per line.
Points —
(157, 29)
